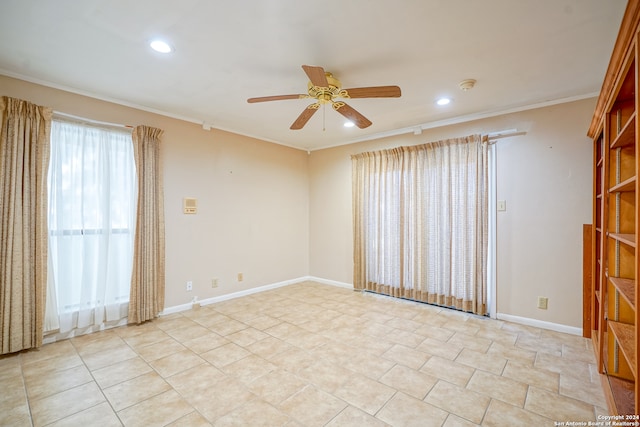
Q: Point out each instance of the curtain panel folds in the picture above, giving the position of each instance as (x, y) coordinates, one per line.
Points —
(146, 299)
(421, 222)
(24, 158)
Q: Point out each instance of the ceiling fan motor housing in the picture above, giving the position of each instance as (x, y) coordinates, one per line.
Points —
(326, 94)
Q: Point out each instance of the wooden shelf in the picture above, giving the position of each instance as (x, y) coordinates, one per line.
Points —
(626, 185)
(615, 134)
(625, 335)
(623, 396)
(627, 134)
(627, 239)
(627, 288)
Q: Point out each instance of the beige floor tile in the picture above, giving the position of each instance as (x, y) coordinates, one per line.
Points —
(160, 349)
(412, 382)
(205, 343)
(108, 357)
(147, 338)
(409, 339)
(193, 419)
(100, 415)
(557, 407)
(269, 347)
(582, 389)
(497, 387)
(197, 380)
(438, 348)
(406, 356)
(470, 342)
(247, 336)
(284, 330)
(159, 410)
(540, 378)
(255, 413)
(39, 386)
(293, 360)
(447, 370)
(456, 421)
(225, 355)
(539, 345)
(135, 390)
(403, 410)
(56, 349)
(500, 414)
(367, 364)
(562, 365)
(325, 375)
(277, 386)
(189, 332)
(121, 371)
(308, 341)
(282, 352)
(312, 407)
(365, 393)
(498, 336)
(248, 368)
(515, 354)
(262, 322)
(14, 407)
(173, 322)
(58, 406)
(354, 417)
(55, 363)
(459, 401)
(177, 362)
(228, 327)
(212, 319)
(10, 366)
(487, 362)
(227, 395)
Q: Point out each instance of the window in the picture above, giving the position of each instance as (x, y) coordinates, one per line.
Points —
(92, 201)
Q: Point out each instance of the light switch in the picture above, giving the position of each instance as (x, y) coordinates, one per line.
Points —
(502, 205)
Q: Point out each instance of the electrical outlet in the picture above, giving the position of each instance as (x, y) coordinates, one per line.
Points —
(189, 286)
(543, 303)
(214, 282)
(240, 277)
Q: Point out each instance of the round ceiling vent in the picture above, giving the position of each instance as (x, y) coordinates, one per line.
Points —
(467, 84)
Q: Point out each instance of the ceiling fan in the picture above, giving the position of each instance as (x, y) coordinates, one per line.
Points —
(325, 88)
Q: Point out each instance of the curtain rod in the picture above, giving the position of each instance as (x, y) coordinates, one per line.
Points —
(492, 137)
(71, 117)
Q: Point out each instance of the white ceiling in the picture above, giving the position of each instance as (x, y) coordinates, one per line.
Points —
(521, 52)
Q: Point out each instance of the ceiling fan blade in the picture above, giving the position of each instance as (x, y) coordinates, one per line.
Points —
(316, 75)
(351, 114)
(374, 92)
(275, 98)
(304, 117)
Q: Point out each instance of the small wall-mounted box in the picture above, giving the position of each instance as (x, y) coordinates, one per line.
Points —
(189, 205)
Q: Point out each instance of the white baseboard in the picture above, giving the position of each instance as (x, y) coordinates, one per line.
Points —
(540, 324)
(207, 301)
(330, 282)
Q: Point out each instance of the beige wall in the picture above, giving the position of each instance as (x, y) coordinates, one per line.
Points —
(276, 214)
(545, 178)
(252, 199)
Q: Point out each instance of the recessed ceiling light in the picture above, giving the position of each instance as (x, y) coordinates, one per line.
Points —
(349, 124)
(160, 46)
(443, 101)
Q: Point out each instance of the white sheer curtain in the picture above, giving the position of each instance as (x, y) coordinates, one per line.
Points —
(421, 222)
(92, 202)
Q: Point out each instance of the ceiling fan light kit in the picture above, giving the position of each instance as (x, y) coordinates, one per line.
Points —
(325, 88)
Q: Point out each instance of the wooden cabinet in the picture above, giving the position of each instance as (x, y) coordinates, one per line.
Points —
(615, 321)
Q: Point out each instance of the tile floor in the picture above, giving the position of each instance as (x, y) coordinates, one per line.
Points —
(306, 355)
